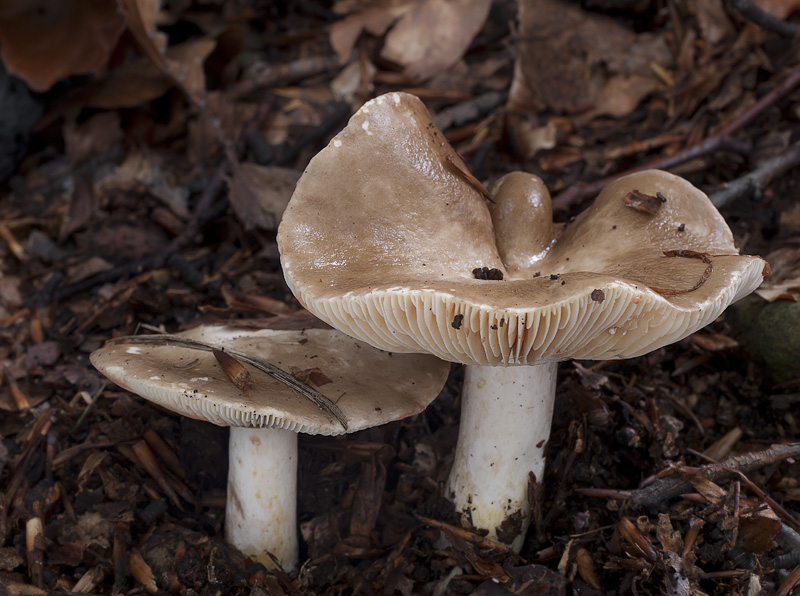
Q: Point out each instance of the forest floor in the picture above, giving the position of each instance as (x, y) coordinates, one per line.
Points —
(149, 194)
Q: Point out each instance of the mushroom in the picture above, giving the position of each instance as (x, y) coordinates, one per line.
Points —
(369, 387)
(389, 238)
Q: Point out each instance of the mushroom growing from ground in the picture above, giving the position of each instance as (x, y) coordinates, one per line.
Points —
(369, 387)
(389, 238)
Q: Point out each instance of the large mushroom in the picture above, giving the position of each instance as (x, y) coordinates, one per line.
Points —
(389, 238)
(369, 387)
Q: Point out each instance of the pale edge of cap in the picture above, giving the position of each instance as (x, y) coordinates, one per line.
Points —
(371, 387)
(631, 320)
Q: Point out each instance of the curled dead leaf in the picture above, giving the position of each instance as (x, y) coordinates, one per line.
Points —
(186, 70)
(259, 194)
(434, 35)
(43, 42)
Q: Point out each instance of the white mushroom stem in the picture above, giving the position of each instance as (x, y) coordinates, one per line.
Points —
(261, 511)
(505, 423)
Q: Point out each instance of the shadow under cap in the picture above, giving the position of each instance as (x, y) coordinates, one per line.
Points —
(384, 230)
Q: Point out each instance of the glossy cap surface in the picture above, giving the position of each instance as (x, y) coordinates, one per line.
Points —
(386, 229)
(370, 387)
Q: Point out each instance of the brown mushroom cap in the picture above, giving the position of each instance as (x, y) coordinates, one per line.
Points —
(386, 226)
(369, 386)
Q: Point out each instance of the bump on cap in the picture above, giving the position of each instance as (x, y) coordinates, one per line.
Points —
(384, 230)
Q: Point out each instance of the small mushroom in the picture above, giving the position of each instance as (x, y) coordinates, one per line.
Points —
(382, 236)
(369, 387)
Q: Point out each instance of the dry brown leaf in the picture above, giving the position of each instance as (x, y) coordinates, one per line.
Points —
(710, 491)
(137, 81)
(86, 268)
(712, 19)
(642, 202)
(250, 302)
(434, 35)
(789, 221)
(784, 283)
(586, 568)
(567, 58)
(222, 121)
(376, 20)
(669, 538)
(621, 94)
(713, 342)
(144, 171)
(94, 136)
(349, 84)
(186, 70)
(757, 528)
(89, 466)
(44, 41)
(259, 194)
(80, 209)
(141, 571)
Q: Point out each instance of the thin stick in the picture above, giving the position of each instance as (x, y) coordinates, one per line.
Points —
(675, 484)
(754, 183)
(763, 19)
(719, 140)
(471, 537)
(317, 398)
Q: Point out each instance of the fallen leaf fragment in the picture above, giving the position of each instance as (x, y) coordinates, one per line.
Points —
(434, 35)
(784, 283)
(310, 375)
(44, 41)
(586, 568)
(234, 369)
(186, 70)
(568, 59)
(641, 202)
(96, 135)
(757, 528)
(375, 19)
(259, 194)
(142, 572)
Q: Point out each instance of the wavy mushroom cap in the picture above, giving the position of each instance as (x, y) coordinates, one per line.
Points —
(369, 386)
(389, 239)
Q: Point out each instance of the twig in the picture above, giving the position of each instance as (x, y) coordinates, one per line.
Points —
(674, 485)
(471, 537)
(719, 140)
(317, 398)
(262, 75)
(753, 184)
(763, 19)
(199, 216)
(469, 110)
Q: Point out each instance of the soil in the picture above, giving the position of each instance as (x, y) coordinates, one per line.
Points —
(130, 211)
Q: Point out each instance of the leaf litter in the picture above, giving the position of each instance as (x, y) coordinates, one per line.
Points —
(118, 215)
